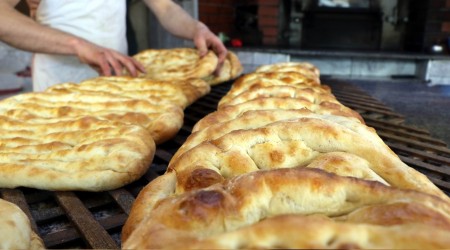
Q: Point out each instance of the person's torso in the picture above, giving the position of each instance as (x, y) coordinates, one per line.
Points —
(99, 21)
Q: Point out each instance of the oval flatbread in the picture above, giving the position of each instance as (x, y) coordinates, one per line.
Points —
(176, 64)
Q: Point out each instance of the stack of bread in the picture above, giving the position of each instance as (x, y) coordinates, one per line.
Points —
(283, 164)
(97, 135)
(186, 63)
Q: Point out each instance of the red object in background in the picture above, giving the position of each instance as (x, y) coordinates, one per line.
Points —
(24, 73)
(236, 42)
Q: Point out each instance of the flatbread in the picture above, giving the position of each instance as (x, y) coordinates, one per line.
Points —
(297, 142)
(182, 93)
(247, 120)
(230, 70)
(283, 164)
(305, 68)
(81, 154)
(176, 64)
(162, 120)
(255, 80)
(15, 229)
(252, 210)
(274, 103)
(311, 94)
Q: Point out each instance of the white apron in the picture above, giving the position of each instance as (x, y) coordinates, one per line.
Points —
(99, 21)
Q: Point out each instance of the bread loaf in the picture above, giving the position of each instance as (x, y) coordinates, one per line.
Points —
(80, 154)
(255, 81)
(162, 120)
(231, 68)
(15, 229)
(176, 64)
(283, 164)
(185, 63)
(251, 209)
(228, 113)
(297, 142)
(304, 68)
(182, 93)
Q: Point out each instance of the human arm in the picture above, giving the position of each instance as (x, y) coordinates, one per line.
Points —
(23, 33)
(178, 22)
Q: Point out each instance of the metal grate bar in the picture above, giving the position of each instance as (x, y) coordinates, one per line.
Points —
(413, 145)
(123, 198)
(94, 234)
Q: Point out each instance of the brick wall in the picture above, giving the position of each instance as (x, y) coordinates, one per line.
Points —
(268, 13)
(445, 28)
(219, 16)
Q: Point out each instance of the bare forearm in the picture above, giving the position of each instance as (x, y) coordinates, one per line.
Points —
(178, 22)
(173, 18)
(22, 32)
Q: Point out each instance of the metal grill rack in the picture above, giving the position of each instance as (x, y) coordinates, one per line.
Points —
(95, 220)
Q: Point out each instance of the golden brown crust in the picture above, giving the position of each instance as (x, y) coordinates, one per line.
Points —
(162, 120)
(246, 82)
(240, 204)
(247, 120)
(318, 232)
(279, 149)
(311, 94)
(80, 154)
(274, 103)
(236, 66)
(182, 93)
(158, 189)
(231, 69)
(176, 64)
(15, 229)
(305, 68)
(294, 143)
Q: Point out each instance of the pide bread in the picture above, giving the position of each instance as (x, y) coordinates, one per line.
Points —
(176, 64)
(283, 164)
(304, 68)
(252, 204)
(274, 103)
(247, 120)
(258, 80)
(162, 120)
(314, 95)
(231, 68)
(186, 63)
(319, 232)
(182, 93)
(15, 229)
(297, 142)
(80, 154)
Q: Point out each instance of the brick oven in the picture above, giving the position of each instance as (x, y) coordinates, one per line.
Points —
(386, 25)
(356, 25)
(256, 22)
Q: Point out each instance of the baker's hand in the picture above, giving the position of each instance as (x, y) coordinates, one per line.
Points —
(106, 61)
(204, 39)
